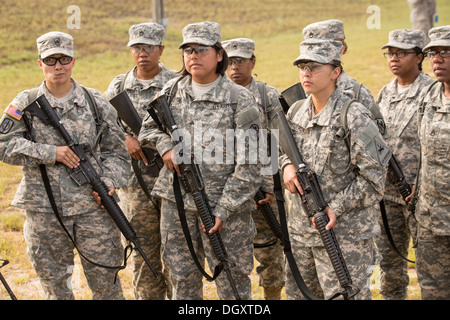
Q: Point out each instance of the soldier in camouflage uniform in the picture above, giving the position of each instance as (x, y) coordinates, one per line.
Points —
(352, 193)
(141, 84)
(49, 248)
(433, 207)
(203, 103)
(398, 102)
(334, 30)
(242, 60)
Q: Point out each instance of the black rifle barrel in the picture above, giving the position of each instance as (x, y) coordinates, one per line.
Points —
(268, 215)
(5, 284)
(92, 177)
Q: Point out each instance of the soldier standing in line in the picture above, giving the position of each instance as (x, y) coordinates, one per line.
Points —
(398, 102)
(49, 248)
(334, 30)
(433, 207)
(351, 192)
(203, 104)
(142, 210)
(242, 60)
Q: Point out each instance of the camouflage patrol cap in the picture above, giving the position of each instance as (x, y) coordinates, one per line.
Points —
(146, 33)
(239, 47)
(405, 39)
(439, 36)
(318, 50)
(205, 33)
(328, 29)
(55, 42)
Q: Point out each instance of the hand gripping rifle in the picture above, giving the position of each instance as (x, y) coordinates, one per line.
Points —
(5, 284)
(129, 115)
(268, 215)
(192, 183)
(86, 173)
(314, 204)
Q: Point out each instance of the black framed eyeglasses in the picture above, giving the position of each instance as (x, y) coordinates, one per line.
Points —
(51, 61)
(399, 54)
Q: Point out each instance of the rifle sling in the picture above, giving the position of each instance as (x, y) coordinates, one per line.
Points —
(286, 242)
(388, 232)
(187, 235)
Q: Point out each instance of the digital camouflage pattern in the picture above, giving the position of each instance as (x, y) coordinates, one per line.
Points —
(432, 211)
(318, 50)
(146, 33)
(439, 36)
(239, 47)
(352, 194)
(271, 267)
(405, 39)
(329, 29)
(400, 114)
(229, 187)
(96, 235)
(55, 42)
(142, 212)
(204, 33)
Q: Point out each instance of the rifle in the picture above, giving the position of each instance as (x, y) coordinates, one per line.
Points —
(314, 205)
(291, 95)
(5, 284)
(86, 173)
(192, 183)
(129, 115)
(268, 215)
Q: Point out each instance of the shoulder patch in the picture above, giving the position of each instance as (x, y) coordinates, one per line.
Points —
(6, 125)
(14, 112)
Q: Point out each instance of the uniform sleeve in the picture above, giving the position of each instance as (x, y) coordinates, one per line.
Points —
(370, 156)
(114, 155)
(15, 146)
(242, 184)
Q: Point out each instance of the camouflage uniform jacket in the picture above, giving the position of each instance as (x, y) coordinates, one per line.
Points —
(77, 118)
(141, 96)
(400, 115)
(352, 195)
(433, 211)
(229, 187)
(273, 103)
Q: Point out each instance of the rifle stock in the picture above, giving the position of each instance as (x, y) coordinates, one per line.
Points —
(86, 173)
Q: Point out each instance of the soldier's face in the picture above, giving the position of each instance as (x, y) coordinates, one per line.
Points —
(441, 66)
(322, 77)
(202, 64)
(147, 57)
(239, 70)
(407, 64)
(58, 74)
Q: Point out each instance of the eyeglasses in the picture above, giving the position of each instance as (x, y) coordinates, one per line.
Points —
(311, 67)
(200, 50)
(149, 48)
(237, 61)
(51, 61)
(442, 54)
(400, 54)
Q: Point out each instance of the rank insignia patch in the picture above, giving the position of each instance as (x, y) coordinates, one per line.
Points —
(14, 112)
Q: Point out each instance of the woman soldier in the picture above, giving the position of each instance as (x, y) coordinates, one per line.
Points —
(351, 190)
(203, 104)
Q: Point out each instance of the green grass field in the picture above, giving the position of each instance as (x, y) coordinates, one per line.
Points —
(101, 52)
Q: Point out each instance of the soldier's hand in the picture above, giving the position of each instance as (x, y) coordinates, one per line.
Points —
(67, 157)
(135, 149)
(168, 161)
(99, 200)
(290, 179)
(413, 190)
(217, 226)
(331, 216)
(267, 199)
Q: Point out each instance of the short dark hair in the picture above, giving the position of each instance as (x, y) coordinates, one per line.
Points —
(419, 51)
(221, 66)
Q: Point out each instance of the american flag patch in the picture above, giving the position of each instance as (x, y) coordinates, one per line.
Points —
(14, 112)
